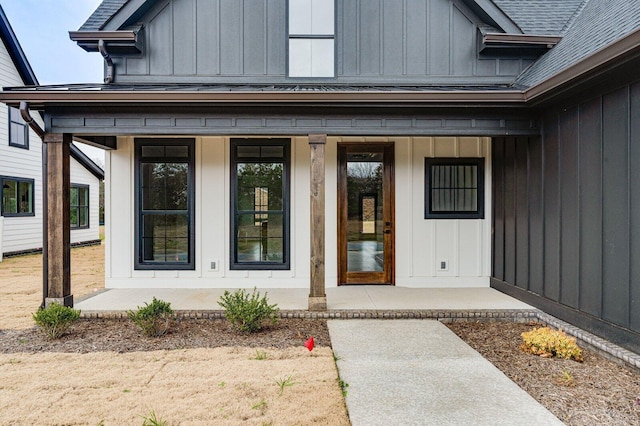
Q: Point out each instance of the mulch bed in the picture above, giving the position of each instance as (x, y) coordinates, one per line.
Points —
(594, 392)
(97, 335)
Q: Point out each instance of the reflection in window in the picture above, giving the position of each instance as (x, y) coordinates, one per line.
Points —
(261, 204)
(368, 209)
(17, 196)
(165, 204)
(260, 200)
(311, 38)
(79, 216)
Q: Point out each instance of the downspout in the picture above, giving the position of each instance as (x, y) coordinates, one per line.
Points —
(107, 58)
(26, 116)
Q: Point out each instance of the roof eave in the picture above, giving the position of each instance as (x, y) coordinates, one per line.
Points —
(124, 41)
(40, 99)
(18, 56)
(86, 162)
(520, 39)
(626, 47)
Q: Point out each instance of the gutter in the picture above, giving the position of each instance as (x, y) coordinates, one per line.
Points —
(109, 36)
(547, 41)
(119, 42)
(38, 98)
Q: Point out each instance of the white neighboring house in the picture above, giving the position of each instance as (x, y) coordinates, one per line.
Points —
(21, 205)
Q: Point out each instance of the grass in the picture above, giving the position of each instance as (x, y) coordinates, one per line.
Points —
(285, 382)
(261, 355)
(152, 419)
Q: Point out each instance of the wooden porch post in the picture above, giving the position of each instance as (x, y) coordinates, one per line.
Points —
(57, 242)
(317, 295)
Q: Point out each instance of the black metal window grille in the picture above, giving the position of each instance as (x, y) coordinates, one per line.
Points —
(454, 188)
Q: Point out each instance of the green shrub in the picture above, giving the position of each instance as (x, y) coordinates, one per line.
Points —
(248, 312)
(548, 343)
(154, 319)
(55, 319)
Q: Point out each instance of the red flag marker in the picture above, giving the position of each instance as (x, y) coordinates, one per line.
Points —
(310, 343)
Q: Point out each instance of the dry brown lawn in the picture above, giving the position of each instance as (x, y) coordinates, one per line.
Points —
(225, 385)
(21, 283)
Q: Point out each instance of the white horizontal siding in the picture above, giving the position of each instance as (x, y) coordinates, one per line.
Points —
(20, 233)
(25, 233)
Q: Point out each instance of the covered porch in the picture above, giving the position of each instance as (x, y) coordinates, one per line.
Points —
(409, 126)
(345, 299)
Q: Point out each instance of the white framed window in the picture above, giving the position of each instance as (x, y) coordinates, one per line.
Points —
(311, 38)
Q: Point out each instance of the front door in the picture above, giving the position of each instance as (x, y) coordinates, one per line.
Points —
(365, 214)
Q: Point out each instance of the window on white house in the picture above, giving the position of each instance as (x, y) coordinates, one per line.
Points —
(165, 204)
(260, 204)
(79, 215)
(311, 38)
(454, 188)
(18, 130)
(17, 196)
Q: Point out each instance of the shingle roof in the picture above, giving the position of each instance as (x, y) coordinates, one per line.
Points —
(102, 15)
(549, 17)
(600, 23)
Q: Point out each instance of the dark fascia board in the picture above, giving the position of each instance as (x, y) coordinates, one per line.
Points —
(520, 39)
(616, 53)
(37, 99)
(86, 162)
(123, 42)
(492, 14)
(516, 45)
(15, 51)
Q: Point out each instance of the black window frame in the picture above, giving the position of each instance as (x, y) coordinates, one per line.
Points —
(20, 122)
(139, 143)
(452, 214)
(286, 201)
(80, 187)
(18, 180)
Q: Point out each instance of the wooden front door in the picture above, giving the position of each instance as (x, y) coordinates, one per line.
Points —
(366, 225)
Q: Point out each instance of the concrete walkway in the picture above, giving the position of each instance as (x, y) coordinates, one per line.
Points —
(338, 298)
(418, 372)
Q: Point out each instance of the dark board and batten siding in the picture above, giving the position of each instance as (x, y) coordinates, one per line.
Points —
(244, 41)
(567, 215)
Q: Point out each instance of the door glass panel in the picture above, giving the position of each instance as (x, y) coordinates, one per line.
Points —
(365, 226)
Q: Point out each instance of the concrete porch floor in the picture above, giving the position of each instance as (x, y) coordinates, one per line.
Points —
(345, 298)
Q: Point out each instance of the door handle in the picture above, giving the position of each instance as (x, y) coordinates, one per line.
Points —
(387, 231)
